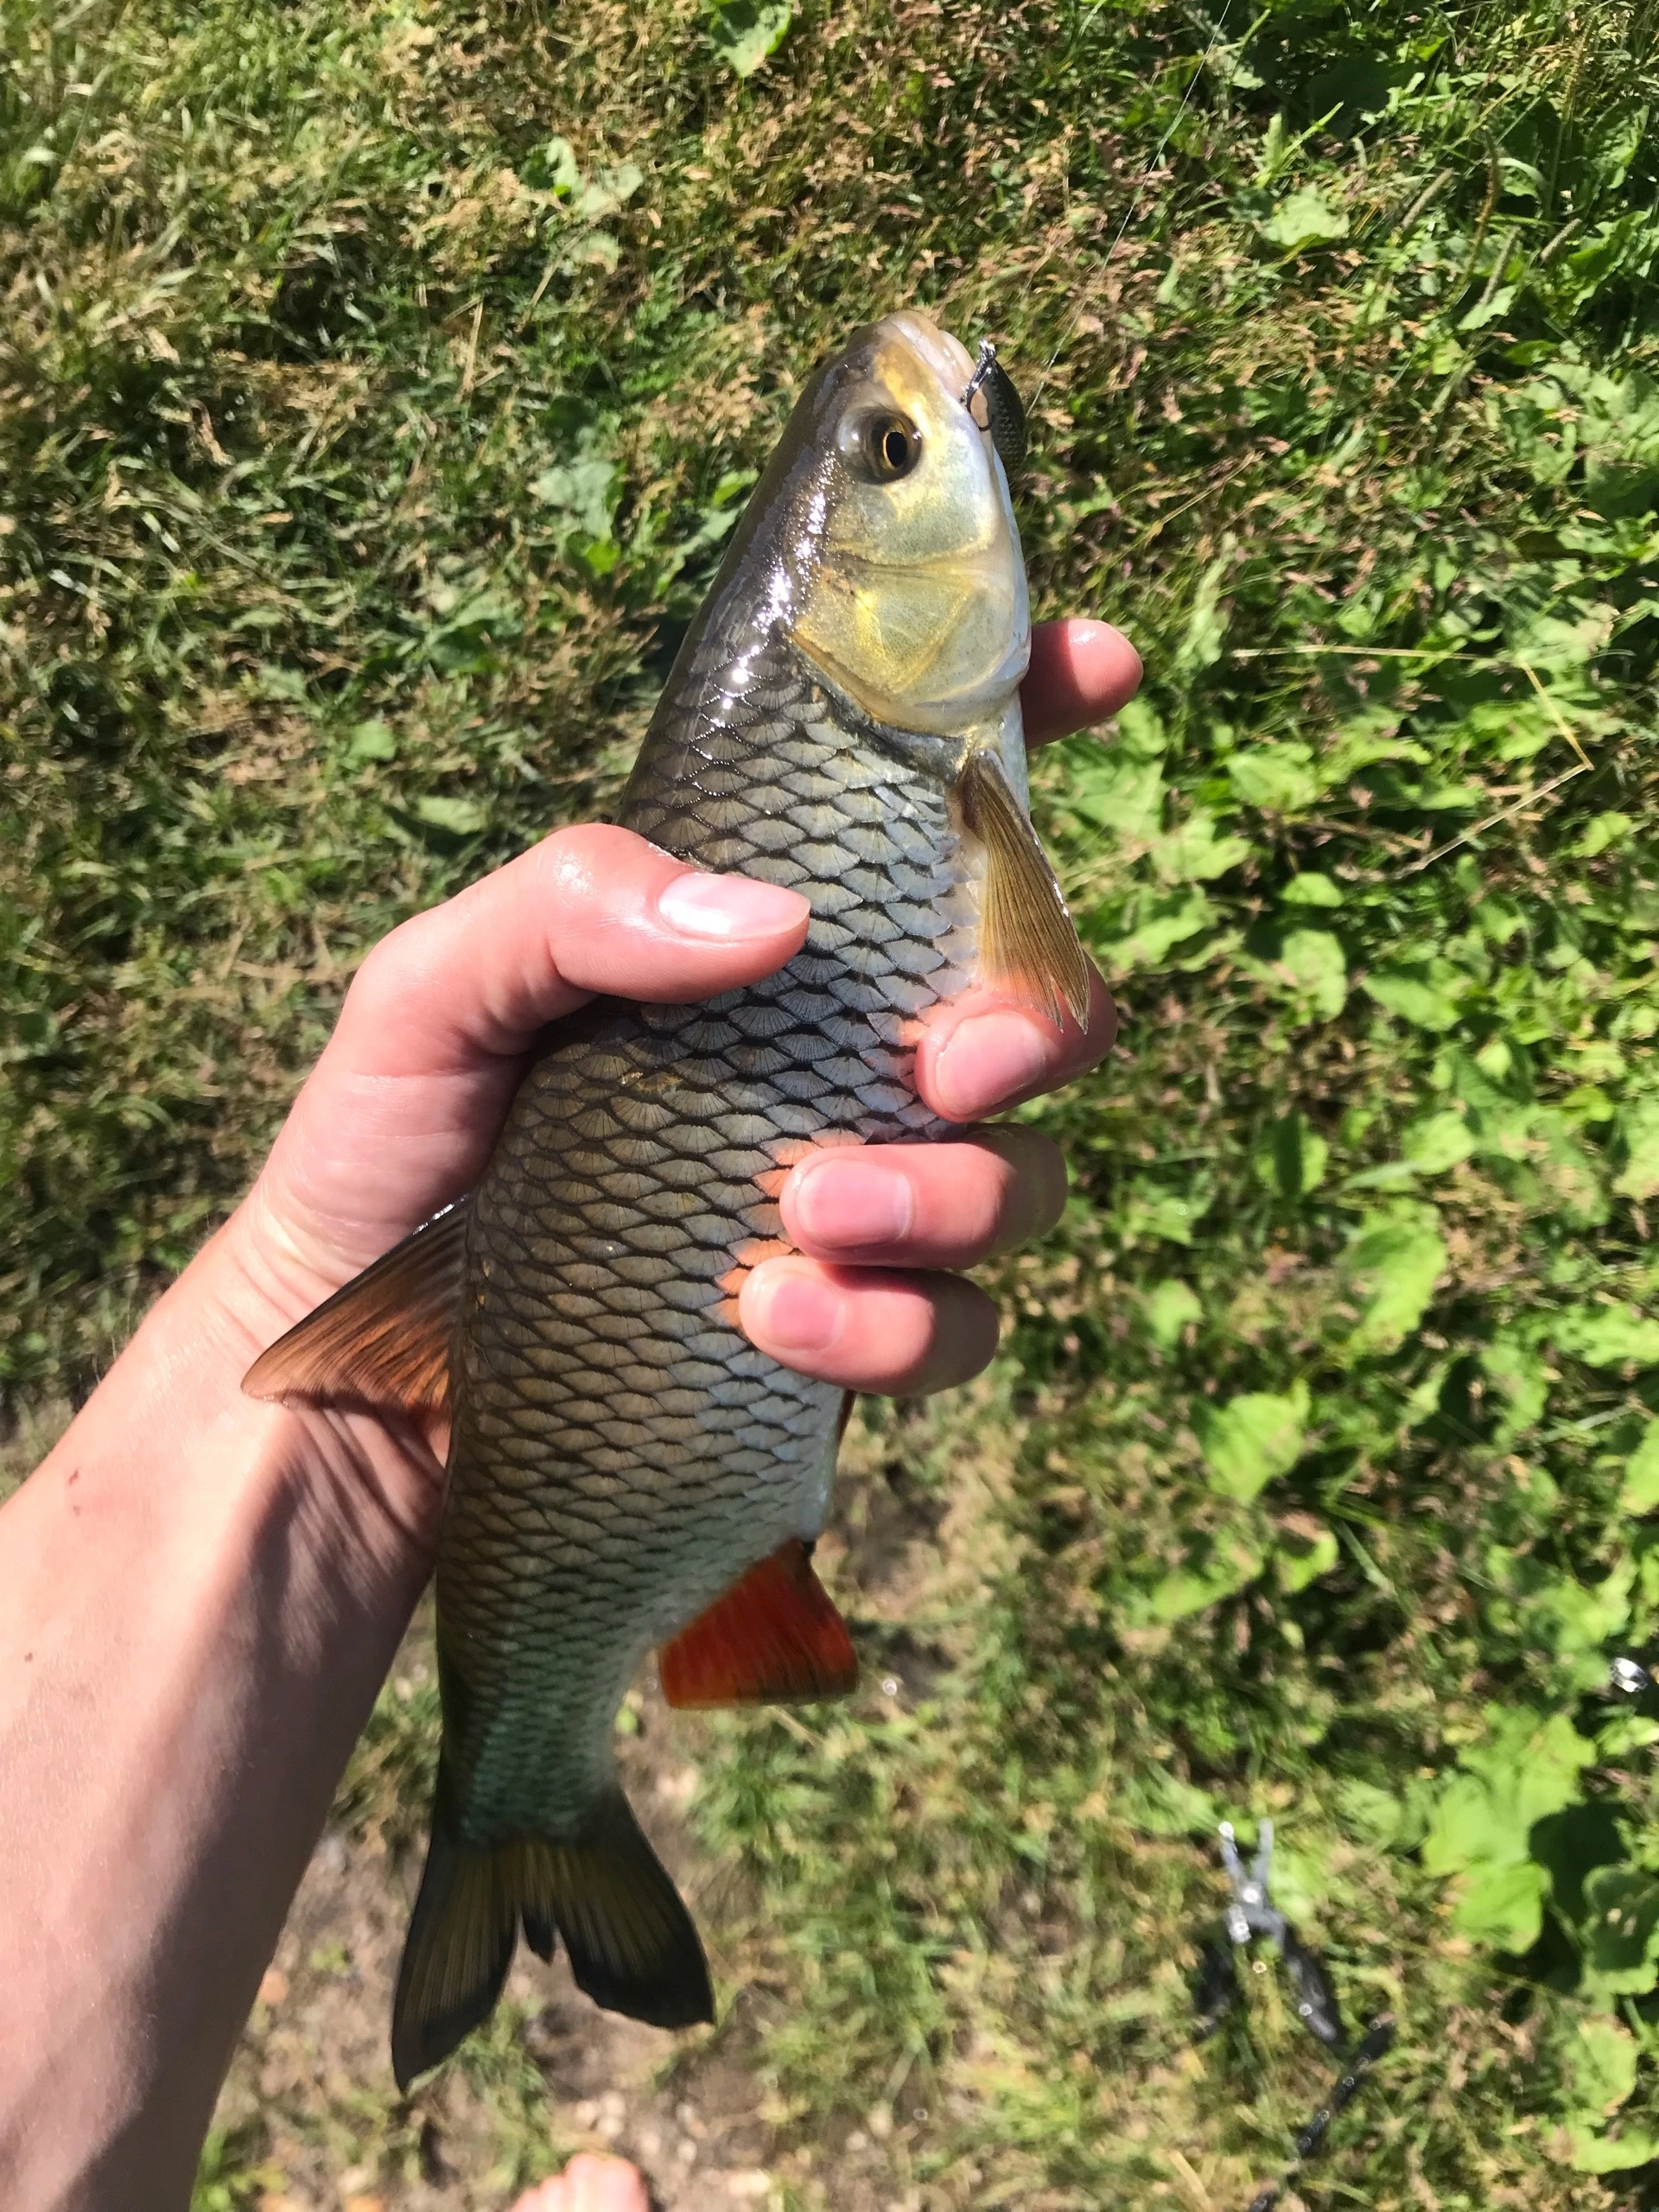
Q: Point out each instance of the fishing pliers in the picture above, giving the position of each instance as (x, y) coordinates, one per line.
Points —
(1251, 1913)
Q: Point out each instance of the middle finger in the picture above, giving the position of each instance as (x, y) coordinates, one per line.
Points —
(925, 1206)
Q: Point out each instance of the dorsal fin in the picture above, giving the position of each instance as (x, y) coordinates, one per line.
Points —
(384, 1340)
(774, 1638)
(1027, 942)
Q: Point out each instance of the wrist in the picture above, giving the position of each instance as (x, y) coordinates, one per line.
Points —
(200, 1595)
(370, 1482)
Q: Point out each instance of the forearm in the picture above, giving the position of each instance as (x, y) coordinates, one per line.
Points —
(199, 1597)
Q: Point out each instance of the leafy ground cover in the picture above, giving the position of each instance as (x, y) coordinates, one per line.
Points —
(377, 385)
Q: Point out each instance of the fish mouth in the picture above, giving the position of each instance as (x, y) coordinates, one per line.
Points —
(946, 355)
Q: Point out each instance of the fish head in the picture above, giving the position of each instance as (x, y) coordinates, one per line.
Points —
(907, 587)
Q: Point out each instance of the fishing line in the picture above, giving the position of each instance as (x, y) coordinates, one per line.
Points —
(1134, 201)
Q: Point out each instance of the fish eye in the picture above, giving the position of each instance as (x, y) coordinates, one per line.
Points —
(885, 446)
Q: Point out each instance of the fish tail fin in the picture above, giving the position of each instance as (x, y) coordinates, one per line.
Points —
(455, 1955)
(633, 1947)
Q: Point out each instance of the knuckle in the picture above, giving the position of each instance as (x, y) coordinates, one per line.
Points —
(589, 857)
(388, 969)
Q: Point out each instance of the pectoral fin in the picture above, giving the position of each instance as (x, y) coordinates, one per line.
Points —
(774, 1638)
(384, 1339)
(1028, 945)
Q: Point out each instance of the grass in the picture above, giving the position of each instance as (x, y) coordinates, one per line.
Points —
(376, 386)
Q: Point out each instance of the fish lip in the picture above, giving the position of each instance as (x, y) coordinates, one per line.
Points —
(944, 353)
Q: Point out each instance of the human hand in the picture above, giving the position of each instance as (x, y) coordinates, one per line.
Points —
(404, 1108)
(201, 1593)
(591, 2182)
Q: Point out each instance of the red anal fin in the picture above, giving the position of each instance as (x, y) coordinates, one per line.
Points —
(775, 1638)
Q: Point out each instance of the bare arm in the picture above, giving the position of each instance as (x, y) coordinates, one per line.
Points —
(200, 1595)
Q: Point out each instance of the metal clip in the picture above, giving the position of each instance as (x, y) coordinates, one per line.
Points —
(1252, 1911)
(982, 369)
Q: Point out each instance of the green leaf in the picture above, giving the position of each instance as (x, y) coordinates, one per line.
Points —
(1621, 1928)
(581, 492)
(1373, 1814)
(1122, 792)
(746, 32)
(1601, 2058)
(1312, 969)
(1639, 1128)
(1436, 1142)
(1502, 1905)
(471, 628)
(1160, 1804)
(1231, 1561)
(1608, 1336)
(1303, 219)
(1303, 1553)
(1153, 1215)
(1429, 999)
(1291, 1161)
(1528, 1766)
(1592, 2153)
(1138, 732)
(1252, 1439)
(1512, 1364)
(1395, 1258)
(1161, 923)
(371, 740)
(1558, 1612)
(1206, 626)
(1310, 890)
(1195, 853)
(1278, 779)
(461, 817)
(1169, 1307)
(553, 167)
(1640, 1493)
(1600, 831)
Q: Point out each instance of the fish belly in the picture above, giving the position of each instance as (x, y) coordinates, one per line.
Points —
(621, 1454)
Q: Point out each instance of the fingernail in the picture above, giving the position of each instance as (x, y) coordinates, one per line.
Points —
(851, 1205)
(992, 1058)
(799, 1311)
(724, 907)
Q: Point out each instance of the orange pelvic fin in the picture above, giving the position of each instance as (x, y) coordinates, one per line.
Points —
(774, 1638)
(384, 1339)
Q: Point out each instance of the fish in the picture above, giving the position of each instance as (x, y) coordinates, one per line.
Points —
(626, 1471)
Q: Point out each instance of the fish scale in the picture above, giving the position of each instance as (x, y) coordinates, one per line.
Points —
(589, 1243)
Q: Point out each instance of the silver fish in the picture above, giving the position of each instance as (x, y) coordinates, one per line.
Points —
(626, 1470)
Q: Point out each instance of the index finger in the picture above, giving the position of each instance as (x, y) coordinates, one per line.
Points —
(1081, 673)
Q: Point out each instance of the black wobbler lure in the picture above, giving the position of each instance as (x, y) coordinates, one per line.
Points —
(1005, 413)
